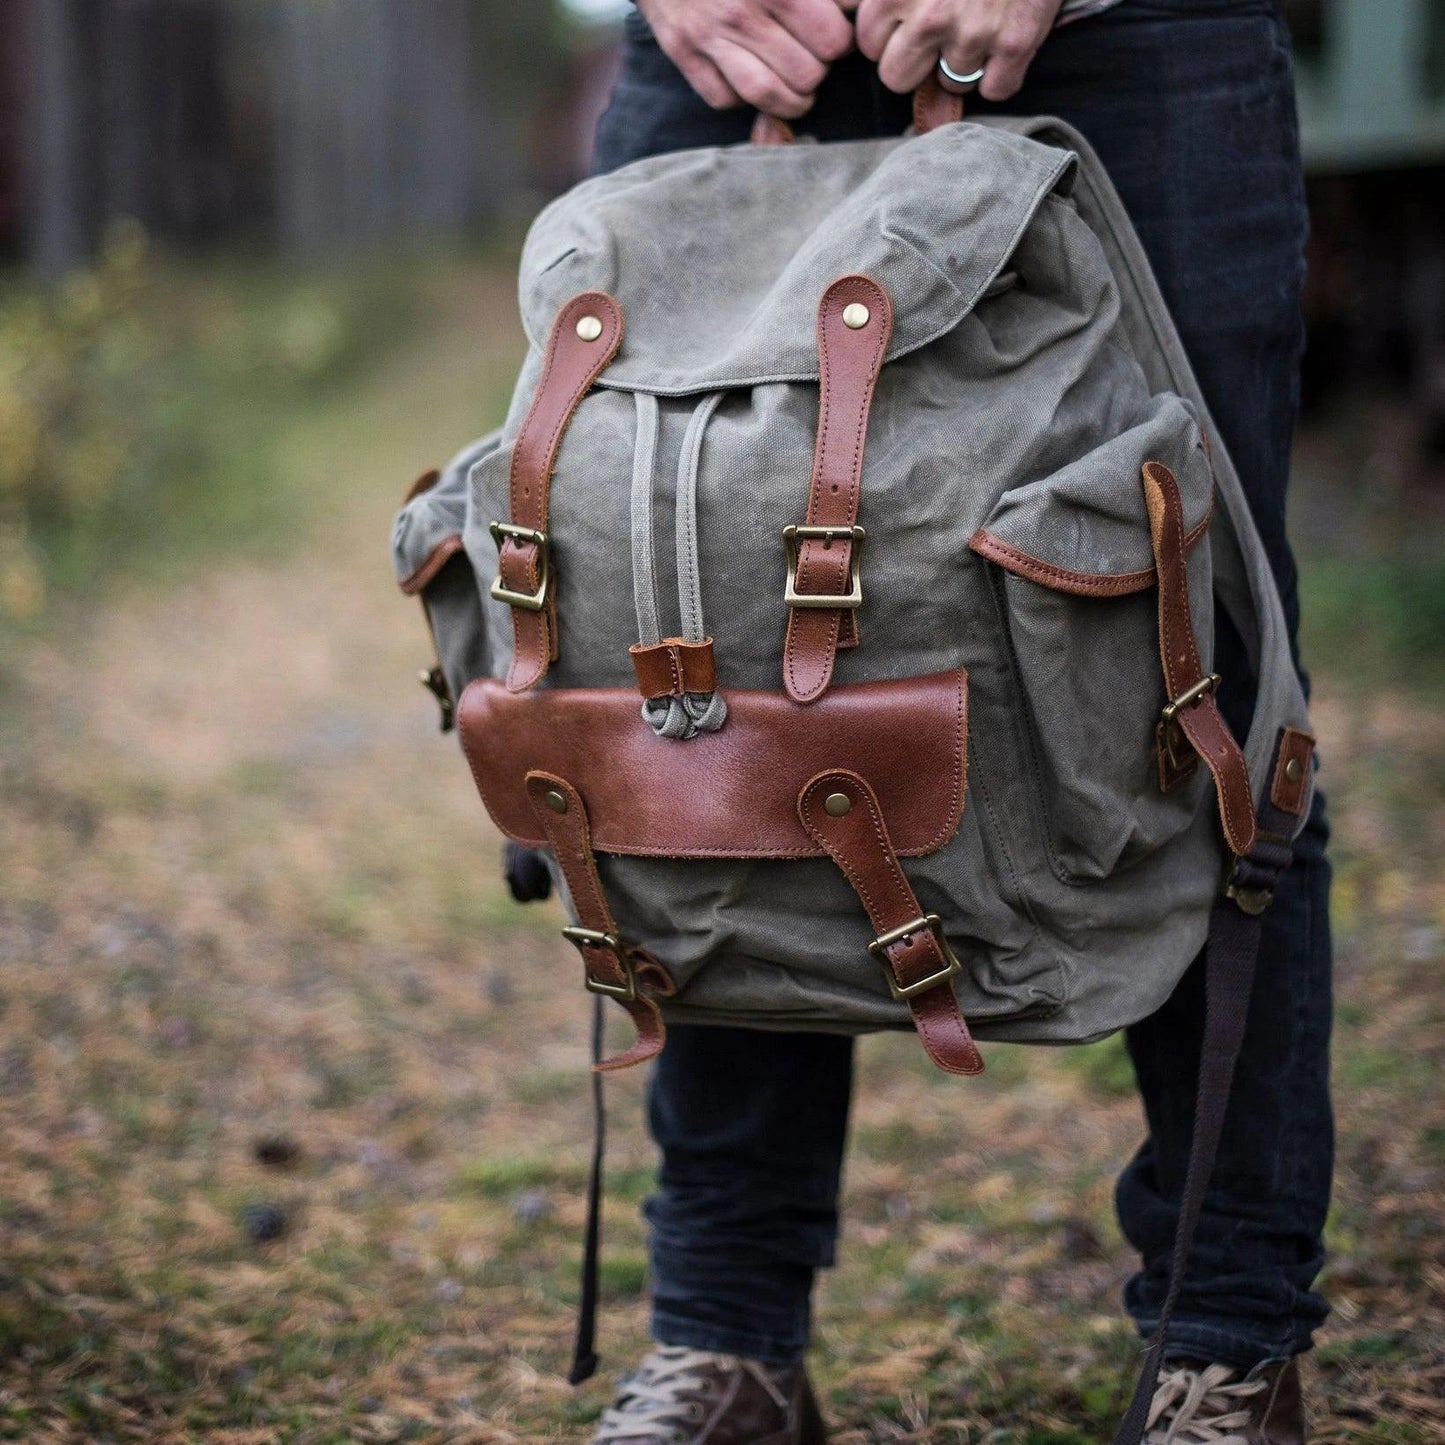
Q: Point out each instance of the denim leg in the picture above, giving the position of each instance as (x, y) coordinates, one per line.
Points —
(1190, 105)
(752, 1128)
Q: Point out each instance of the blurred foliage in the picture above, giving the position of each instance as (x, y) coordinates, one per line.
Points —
(139, 401)
(75, 365)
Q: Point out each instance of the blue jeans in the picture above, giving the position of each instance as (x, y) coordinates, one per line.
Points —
(1190, 104)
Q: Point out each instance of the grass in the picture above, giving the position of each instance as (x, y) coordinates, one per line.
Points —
(255, 954)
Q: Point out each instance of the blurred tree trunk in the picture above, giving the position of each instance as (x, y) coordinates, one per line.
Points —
(377, 112)
(61, 203)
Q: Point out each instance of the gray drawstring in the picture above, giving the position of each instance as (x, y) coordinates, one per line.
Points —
(694, 712)
(644, 572)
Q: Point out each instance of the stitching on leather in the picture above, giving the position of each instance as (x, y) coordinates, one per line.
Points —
(1287, 796)
(1063, 579)
(439, 555)
(1174, 535)
(532, 633)
(799, 626)
(958, 765)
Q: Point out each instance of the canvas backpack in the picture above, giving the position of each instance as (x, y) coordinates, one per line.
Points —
(836, 608)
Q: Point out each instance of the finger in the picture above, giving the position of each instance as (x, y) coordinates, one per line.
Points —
(818, 25)
(794, 64)
(907, 60)
(756, 83)
(1003, 78)
(874, 28)
(1007, 66)
(708, 81)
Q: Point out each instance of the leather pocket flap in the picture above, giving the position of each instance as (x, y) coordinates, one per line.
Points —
(729, 794)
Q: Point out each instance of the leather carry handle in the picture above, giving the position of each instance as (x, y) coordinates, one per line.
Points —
(933, 106)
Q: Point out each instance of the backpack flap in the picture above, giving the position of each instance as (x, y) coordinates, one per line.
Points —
(933, 220)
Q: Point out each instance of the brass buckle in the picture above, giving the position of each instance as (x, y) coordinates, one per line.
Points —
(794, 537)
(1252, 901)
(1169, 723)
(527, 601)
(880, 946)
(585, 938)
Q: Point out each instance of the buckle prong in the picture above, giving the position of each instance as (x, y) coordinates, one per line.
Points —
(585, 938)
(502, 532)
(793, 539)
(931, 923)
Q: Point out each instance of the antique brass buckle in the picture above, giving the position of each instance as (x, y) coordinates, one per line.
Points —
(1252, 901)
(880, 946)
(527, 601)
(794, 537)
(1169, 719)
(585, 938)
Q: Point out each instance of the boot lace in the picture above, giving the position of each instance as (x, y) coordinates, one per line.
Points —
(1201, 1406)
(664, 1400)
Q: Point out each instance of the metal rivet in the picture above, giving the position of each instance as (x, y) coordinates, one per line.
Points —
(589, 328)
(556, 801)
(836, 804)
(855, 315)
(1294, 770)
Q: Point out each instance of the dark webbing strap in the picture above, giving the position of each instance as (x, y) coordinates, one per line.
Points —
(1230, 959)
(584, 1347)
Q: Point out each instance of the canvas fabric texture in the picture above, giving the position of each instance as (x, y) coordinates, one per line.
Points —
(1032, 371)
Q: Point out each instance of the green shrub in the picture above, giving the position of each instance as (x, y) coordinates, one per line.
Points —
(76, 364)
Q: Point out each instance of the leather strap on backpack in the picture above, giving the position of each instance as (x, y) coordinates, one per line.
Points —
(584, 339)
(1192, 713)
(933, 106)
(1231, 956)
(612, 969)
(824, 591)
(841, 812)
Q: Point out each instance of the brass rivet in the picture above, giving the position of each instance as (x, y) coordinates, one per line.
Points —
(836, 804)
(589, 328)
(855, 315)
(556, 801)
(1294, 770)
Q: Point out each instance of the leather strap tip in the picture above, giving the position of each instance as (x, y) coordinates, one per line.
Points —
(583, 1370)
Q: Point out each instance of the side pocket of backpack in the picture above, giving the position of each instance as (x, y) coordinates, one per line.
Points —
(432, 565)
(1073, 581)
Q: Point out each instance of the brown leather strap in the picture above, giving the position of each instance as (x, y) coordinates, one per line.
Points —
(572, 362)
(771, 130)
(1290, 785)
(849, 359)
(674, 666)
(629, 975)
(842, 813)
(1192, 710)
(934, 106)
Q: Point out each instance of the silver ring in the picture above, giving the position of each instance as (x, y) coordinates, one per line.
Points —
(972, 78)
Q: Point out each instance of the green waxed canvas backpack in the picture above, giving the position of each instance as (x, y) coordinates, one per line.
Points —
(835, 606)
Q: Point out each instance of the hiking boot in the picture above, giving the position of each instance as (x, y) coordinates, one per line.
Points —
(1199, 1404)
(693, 1397)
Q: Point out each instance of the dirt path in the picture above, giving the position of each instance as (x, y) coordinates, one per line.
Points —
(259, 980)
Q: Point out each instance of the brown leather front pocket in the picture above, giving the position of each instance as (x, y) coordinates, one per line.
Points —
(732, 793)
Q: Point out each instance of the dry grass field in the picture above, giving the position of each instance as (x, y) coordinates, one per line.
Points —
(293, 1098)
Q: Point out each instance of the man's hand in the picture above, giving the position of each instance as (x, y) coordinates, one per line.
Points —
(906, 37)
(772, 54)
